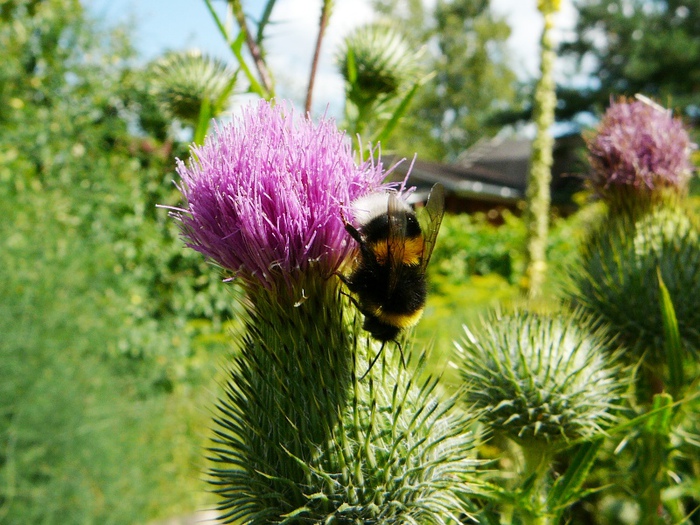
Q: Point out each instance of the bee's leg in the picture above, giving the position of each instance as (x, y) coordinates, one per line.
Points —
(352, 300)
(342, 277)
(354, 233)
(403, 361)
(373, 361)
(347, 283)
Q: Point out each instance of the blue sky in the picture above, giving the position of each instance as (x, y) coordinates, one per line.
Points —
(163, 24)
(160, 25)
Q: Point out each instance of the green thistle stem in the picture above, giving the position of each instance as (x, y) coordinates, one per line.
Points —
(536, 462)
(653, 455)
(301, 439)
(283, 399)
(255, 51)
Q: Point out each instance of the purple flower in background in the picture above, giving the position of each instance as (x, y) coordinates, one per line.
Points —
(639, 146)
(267, 194)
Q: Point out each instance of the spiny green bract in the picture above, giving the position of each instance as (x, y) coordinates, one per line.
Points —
(617, 279)
(397, 456)
(539, 378)
(300, 439)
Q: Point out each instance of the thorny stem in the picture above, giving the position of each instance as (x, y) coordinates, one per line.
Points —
(253, 47)
(536, 464)
(323, 23)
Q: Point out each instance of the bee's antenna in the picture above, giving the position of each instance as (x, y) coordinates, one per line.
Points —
(374, 361)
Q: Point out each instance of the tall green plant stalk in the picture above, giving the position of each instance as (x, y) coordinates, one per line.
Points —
(322, 24)
(262, 84)
(538, 192)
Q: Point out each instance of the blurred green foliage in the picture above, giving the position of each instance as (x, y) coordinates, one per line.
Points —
(111, 331)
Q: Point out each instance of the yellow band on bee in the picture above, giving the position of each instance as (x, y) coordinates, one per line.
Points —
(412, 250)
(399, 320)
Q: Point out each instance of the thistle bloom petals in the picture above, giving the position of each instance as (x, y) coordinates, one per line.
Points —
(267, 194)
(640, 146)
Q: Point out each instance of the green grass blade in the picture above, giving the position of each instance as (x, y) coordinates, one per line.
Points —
(217, 20)
(660, 423)
(401, 109)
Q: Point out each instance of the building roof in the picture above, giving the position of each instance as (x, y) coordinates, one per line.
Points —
(494, 170)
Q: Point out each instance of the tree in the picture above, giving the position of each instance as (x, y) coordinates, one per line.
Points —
(635, 46)
(465, 46)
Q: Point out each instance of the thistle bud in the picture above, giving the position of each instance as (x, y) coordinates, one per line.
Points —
(383, 63)
(617, 279)
(540, 380)
(182, 81)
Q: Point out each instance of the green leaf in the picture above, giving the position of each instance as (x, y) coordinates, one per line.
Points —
(673, 345)
(236, 47)
(297, 513)
(220, 103)
(401, 110)
(264, 20)
(662, 409)
(217, 20)
(567, 489)
(205, 116)
(648, 418)
(397, 115)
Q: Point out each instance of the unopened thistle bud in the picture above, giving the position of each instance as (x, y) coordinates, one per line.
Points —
(377, 62)
(539, 380)
(182, 81)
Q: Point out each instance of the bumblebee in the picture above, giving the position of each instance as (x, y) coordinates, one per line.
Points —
(394, 247)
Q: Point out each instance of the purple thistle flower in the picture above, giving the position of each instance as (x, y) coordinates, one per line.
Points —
(266, 195)
(640, 147)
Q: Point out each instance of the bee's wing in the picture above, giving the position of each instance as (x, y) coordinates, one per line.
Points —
(396, 239)
(430, 219)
